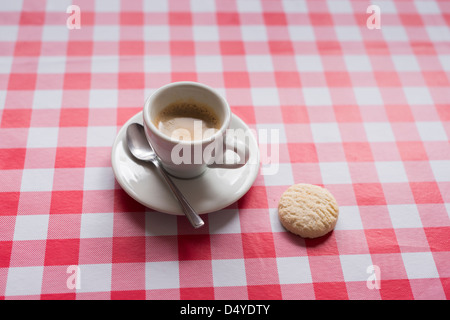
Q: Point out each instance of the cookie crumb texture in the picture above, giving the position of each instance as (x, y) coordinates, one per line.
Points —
(307, 210)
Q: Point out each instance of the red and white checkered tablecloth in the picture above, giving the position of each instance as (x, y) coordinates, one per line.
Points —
(363, 112)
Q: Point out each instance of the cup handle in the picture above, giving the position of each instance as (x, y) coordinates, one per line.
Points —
(238, 147)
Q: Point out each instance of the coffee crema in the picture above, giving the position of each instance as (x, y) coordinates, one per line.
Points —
(187, 121)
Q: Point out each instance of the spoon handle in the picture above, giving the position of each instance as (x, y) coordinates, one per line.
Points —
(190, 213)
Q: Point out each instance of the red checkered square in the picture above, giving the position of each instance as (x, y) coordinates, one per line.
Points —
(369, 194)
(22, 81)
(27, 48)
(286, 79)
(426, 192)
(32, 17)
(132, 18)
(77, 81)
(357, 151)
(227, 18)
(265, 292)
(294, 114)
(62, 252)
(67, 157)
(302, 152)
(412, 151)
(124, 203)
(232, 48)
(396, 289)
(66, 202)
(197, 293)
(131, 48)
(382, 241)
(10, 203)
(131, 80)
(236, 79)
(128, 295)
(321, 246)
(5, 253)
(255, 198)
(194, 247)
(258, 245)
(13, 158)
(128, 249)
(74, 117)
(330, 291)
(80, 48)
(438, 238)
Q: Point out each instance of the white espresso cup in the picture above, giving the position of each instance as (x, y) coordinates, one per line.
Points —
(190, 158)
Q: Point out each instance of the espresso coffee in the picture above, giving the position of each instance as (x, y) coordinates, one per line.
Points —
(187, 121)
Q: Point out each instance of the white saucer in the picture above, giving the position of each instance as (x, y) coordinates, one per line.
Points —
(215, 189)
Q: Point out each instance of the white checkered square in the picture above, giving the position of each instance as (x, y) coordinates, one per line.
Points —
(340, 6)
(325, 132)
(418, 96)
(348, 33)
(37, 180)
(224, 221)
(207, 63)
(317, 96)
(391, 171)
(335, 173)
(259, 63)
(103, 98)
(157, 64)
(403, 62)
(205, 33)
(294, 270)
(394, 33)
(8, 32)
(99, 178)
(349, 218)
(202, 6)
(301, 33)
(431, 131)
(160, 224)
(419, 265)
(354, 266)
(295, 6)
(95, 277)
(379, 132)
(105, 64)
(31, 227)
(441, 169)
(24, 281)
(368, 96)
(254, 33)
(162, 275)
(107, 6)
(101, 136)
(47, 99)
(357, 63)
(229, 272)
(308, 63)
(106, 33)
(265, 97)
(96, 225)
(52, 64)
(404, 216)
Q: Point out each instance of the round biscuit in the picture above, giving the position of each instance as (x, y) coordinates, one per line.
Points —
(308, 210)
